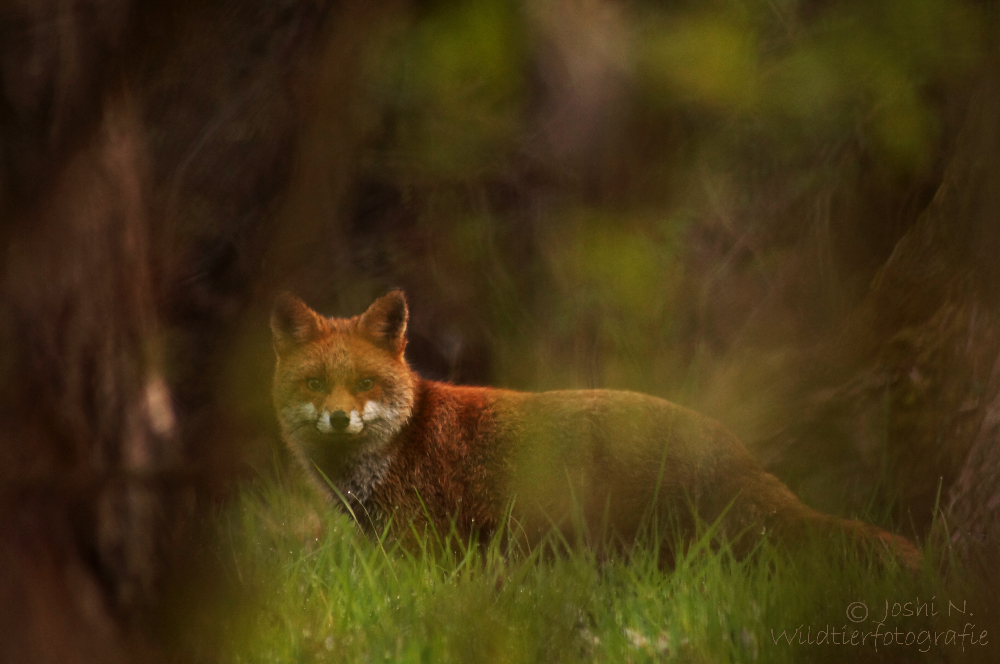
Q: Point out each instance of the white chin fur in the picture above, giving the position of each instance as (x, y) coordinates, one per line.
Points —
(356, 424)
(323, 422)
(376, 411)
(298, 413)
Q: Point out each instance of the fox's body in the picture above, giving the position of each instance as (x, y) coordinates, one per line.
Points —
(398, 447)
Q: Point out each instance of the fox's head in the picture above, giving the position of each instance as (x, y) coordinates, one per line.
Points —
(341, 385)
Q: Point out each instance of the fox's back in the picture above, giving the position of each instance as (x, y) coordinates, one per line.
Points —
(394, 448)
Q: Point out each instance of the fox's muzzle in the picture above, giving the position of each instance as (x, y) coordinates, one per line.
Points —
(339, 422)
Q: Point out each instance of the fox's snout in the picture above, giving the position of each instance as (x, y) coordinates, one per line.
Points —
(339, 421)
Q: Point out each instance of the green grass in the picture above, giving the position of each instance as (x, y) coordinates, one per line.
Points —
(315, 589)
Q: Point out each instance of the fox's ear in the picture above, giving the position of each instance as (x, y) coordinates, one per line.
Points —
(292, 323)
(385, 321)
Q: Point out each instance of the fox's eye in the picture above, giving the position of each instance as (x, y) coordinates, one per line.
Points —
(315, 384)
(365, 384)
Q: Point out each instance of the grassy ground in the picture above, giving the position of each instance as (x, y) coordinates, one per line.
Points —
(316, 590)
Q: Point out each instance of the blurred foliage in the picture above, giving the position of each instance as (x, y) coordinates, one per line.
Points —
(870, 66)
(741, 116)
(454, 86)
(457, 82)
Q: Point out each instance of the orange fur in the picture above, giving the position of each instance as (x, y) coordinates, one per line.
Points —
(459, 455)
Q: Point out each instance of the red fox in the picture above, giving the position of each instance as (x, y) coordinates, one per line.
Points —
(403, 449)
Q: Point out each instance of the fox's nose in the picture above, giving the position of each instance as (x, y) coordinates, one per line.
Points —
(339, 420)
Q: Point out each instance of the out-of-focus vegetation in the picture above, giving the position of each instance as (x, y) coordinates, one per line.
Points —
(721, 146)
(454, 84)
(850, 68)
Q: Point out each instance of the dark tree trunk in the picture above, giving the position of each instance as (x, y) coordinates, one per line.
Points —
(937, 301)
(88, 420)
(974, 498)
(913, 378)
(143, 148)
